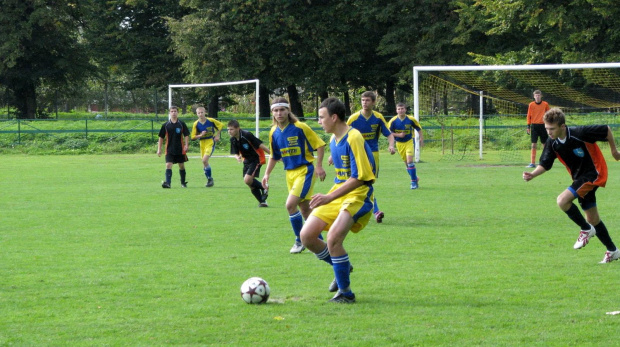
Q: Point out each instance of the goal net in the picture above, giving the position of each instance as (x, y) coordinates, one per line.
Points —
(181, 98)
(479, 112)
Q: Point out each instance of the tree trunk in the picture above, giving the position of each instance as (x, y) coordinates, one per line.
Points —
(213, 107)
(293, 99)
(323, 95)
(347, 103)
(26, 100)
(263, 108)
(390, 104)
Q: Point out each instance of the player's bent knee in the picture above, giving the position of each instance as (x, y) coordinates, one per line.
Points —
(310, 232)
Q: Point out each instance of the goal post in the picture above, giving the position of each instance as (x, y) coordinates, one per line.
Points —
(221, 84)
(588, 87)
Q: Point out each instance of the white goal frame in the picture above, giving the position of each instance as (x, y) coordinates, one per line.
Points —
(220, 84)
(417, 69)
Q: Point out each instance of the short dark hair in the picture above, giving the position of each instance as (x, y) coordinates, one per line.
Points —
(233, 123)
(173, 108)
(334, 106)
(401, 104)
(554, 116)
(369, 94)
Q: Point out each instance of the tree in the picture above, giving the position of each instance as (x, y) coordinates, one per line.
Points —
(40, 44)
(417, 33)
(531, 31)
(319, 46)
(130, 42)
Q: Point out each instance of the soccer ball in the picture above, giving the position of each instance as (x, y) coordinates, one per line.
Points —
(255, 290)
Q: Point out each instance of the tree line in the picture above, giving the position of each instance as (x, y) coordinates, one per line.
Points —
(319, 46)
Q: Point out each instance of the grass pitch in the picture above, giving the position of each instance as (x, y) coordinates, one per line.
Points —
(95, 252)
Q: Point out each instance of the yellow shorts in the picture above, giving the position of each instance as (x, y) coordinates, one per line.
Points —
(300, 181)
(206, 147)
(405, 149)
(358, 203)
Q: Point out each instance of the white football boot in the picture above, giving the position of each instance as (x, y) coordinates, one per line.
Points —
(584, 237)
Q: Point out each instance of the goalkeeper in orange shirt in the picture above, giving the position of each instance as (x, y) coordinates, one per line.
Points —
(535, 125)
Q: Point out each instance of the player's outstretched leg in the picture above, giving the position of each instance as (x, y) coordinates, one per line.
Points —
(612, 252)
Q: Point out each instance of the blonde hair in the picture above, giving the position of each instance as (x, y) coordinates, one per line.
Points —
(291, 117)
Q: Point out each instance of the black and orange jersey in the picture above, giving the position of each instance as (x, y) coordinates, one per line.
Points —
(579, 153)
(247, 146)
(174, 133)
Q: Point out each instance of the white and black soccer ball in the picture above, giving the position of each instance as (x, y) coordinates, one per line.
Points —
(255, 290)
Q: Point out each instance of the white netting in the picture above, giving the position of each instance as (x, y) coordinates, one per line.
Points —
(449, 105)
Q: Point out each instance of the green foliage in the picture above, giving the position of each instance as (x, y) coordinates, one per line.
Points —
(40, 44)
(540, 32)
(130, 42)
(418, 33)
(97, 253)
(280, 42)
(70, 52)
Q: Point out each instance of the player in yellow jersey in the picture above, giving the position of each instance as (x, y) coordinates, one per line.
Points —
(293, 143)
(348, 204)
(402, 127)
(371, 124)
(207, 131)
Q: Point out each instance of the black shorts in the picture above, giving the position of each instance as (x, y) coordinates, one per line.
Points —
(175, 159)
(538, 130)
(585, 192)
(252, 169)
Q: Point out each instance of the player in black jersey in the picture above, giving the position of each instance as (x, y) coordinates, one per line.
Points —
(176, 134)
(576, 148)
(251, 150)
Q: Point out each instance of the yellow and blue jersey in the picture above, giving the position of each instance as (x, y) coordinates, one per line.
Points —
(370, 127)
(352, 157)
(211, 126)
(294, 145)
(406, 126)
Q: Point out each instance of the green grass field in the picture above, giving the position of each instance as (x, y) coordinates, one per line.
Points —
(94, 252)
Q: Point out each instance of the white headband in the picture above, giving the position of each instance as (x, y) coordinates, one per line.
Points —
(283, 104)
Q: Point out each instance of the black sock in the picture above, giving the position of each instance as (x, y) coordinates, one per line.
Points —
(257, 190)
(182, 172)
(603, 236)
(168, 175)
(575, 215)
(257, 194)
